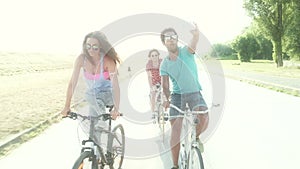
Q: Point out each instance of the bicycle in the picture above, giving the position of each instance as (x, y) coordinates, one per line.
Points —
(190, 155)
(92, 155)
(159, 115)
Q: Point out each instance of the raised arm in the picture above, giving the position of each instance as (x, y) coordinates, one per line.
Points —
(194, 41)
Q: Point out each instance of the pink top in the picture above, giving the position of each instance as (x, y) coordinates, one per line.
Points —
(98, 82)
(90, 76)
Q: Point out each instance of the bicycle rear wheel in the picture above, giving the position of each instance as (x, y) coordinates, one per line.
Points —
(117, 147)
(195, 160)
(86, 160)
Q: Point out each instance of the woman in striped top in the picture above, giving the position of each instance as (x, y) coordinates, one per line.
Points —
(152, 68)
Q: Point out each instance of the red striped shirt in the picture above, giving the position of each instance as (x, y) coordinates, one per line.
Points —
(156, 79)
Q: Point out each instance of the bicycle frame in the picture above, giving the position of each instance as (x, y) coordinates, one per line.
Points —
(158, 96)
(189, 118)
(160, 116)
(189, 132)
(91, 145)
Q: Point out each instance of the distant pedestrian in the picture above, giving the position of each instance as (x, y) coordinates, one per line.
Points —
(129, 71)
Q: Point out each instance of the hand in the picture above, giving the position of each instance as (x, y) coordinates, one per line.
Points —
(65, 111)
(195, 32)
(166, 104)
(153, 88)
(114, 114)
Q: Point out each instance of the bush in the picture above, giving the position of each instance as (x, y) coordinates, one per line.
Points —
(223, 51)
(247, 47)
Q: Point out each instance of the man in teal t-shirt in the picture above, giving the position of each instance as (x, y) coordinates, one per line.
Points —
(180, 67)
(182, 72)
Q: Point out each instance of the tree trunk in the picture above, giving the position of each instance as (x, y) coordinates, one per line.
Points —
(278, 53)
(278, 40)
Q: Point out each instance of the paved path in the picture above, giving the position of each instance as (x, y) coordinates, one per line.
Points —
(260, 77)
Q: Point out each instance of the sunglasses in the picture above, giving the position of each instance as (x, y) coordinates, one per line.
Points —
(154, 55)
(171, 37)
(94, 47)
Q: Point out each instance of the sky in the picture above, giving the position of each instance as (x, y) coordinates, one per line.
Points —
(57, 26)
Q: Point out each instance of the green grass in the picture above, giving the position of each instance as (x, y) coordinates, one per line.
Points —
(261, 66)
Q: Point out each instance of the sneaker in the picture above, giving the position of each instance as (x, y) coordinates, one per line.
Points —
(200, 145)
(166, 118)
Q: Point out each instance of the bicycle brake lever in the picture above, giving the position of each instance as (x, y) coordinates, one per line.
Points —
(73, 115)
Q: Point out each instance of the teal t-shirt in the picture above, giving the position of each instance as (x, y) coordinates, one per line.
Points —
(182, 72)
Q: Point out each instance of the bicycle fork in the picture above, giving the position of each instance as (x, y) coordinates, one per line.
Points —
(189, 142)
(194, 143)
(184, 150)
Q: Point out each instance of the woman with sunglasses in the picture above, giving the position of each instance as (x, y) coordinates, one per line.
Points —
(152, 68)
(98, 63)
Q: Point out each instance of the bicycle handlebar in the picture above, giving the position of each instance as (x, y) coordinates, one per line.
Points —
(194, 111)
(74, 116)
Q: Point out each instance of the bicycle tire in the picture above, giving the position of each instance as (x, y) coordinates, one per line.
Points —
(117, 147)
(195, 160)
(84, 157)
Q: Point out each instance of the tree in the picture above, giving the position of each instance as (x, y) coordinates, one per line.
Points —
(265, 45)
(265, 48)
(292, 38)
(246, 46)
(273, 17)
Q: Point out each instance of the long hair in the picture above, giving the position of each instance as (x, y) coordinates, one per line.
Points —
(105, 46)
(153, 50)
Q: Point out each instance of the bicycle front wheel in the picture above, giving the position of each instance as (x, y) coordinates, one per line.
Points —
(195, 160)
(162, 121)
(117, 147)
(86, 160)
